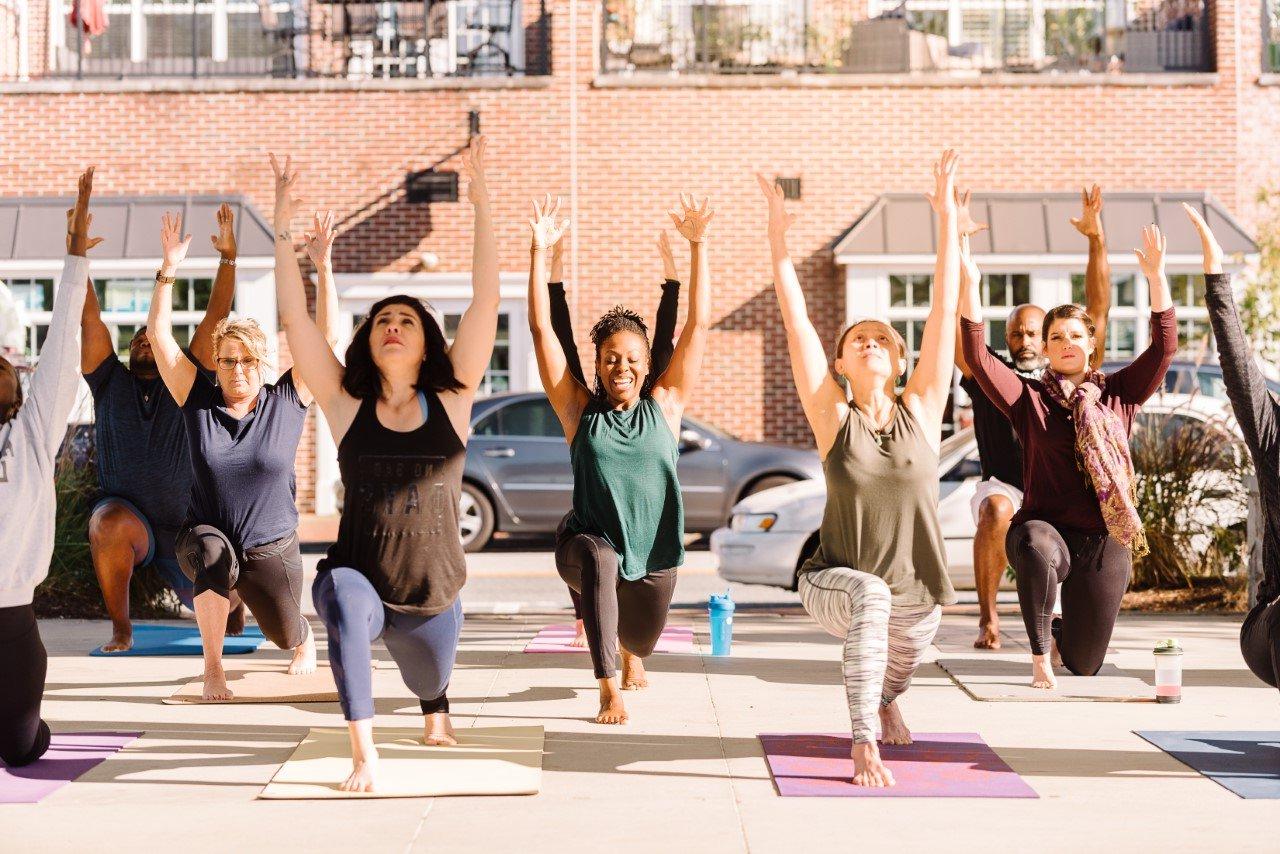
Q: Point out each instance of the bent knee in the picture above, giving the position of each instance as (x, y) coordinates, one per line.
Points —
(1032, 540)
(112, 522)
(994, 513)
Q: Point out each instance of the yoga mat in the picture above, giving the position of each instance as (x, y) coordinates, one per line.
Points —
(1247, 763)
(70, 755)
(487, 761)
(183, 640)
(1003, 681)
(674, 639)
(937, 765)
(265, 682)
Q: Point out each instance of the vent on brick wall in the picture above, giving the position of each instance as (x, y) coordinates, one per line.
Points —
(790, 187)
(431, 185)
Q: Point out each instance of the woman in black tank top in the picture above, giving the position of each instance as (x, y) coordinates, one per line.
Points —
(399, 413)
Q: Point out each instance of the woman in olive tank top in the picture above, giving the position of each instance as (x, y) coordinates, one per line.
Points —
(620, 546)
(879, 576)
(400, 415)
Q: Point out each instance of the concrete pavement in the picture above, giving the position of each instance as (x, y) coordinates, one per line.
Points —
(686, 774)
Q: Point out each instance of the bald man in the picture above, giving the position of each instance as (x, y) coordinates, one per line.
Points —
(999, 495)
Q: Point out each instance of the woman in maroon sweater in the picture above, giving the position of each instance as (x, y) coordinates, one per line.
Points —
(1078, 525)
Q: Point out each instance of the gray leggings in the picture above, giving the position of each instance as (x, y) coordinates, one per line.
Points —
(614, 610)
(1093, 570)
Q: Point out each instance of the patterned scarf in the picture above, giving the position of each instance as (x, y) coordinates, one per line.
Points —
(1102, 452)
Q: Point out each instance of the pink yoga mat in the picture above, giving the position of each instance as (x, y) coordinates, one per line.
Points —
(70, 755)
(677, 639)
(938, 765)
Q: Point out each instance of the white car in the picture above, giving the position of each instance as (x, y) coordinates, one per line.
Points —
(771, 533)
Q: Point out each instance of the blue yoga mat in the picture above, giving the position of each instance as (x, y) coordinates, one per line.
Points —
(1247, 763)
(183, 640)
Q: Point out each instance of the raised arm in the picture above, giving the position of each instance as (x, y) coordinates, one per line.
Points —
(1097, 274)
(1140, 379)
(568, 397)
(664, 329)
(561, 322)
(175, 368)
(319, 245)
(967, 227)
(675, 386)
(56, 378)
(224, 288)
(95, 338)
(1254, 407)
(821, 397)
(473, 344)
(930, 381)
(996, 380)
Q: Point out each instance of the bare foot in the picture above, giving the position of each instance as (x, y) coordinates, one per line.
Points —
(868, 770)
(235, 619)
(121, 640)
(215, 686)
(363, 774)
(304, 655)
(893, 729)
(580, 636)
(633, 675)
(612, 709)
(1042, 673)
(438, 731)
(1054, 655)
(988, 635)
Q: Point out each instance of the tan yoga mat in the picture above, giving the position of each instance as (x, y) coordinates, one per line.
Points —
(1001, 680)
(487, 761)
(264, 682)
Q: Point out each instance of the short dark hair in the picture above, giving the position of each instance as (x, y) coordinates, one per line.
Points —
(10, 412)
(362, 379)
(1070, 311)
(615, 320)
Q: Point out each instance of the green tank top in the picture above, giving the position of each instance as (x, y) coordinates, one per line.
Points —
(625, 488)
(882, 509)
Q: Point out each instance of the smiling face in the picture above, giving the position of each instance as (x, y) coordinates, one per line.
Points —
(396, 337)
(10, 391)
(870, 348)
(141, 360)
(622, 364)
(239, 373)
(1068, 346)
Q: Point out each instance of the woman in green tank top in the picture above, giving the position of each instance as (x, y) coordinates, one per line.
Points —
(879, 577)
(620, 547)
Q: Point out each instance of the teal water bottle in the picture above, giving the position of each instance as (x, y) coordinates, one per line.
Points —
(720, 610)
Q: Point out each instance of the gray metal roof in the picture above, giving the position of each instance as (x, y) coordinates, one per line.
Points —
(34, 228)
(1040, 224)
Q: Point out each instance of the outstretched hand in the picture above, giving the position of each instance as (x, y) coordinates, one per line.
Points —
(1089, 223)
(668, 259)
(780, 221)
(943, 197)
(1208, 243)
(965, 222)
(546, 231)
(79, 219)
(173, 242)
(225, 240)
(1151, 255)
(286, 202)
(692, 219)
(319, 240)
(473, 169)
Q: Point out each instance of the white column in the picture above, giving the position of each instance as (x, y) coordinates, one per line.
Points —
(1035, 40)
(219, 30)
(137, 33)
(24, 64)
(256, 298)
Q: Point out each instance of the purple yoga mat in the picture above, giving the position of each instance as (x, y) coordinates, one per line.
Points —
(938, 765)
(70, 755)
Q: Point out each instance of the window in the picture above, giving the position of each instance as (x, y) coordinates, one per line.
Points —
(1122, 290)
(910, 291)
(533, 418)
(32, 294)
(1006, 289)
(497, 377)
(1122, 336)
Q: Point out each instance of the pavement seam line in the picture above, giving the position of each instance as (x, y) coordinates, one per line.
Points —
(417, 831)
(733, 783)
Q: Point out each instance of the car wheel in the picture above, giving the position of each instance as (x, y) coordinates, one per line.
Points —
(475, 518)
(768, 482)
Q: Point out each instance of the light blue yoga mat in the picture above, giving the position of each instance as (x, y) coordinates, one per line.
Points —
(1247, 763)
(183, 640)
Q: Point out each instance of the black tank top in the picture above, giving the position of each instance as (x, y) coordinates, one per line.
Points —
(399, 525)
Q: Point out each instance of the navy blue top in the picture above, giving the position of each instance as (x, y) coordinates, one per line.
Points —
(242, 469)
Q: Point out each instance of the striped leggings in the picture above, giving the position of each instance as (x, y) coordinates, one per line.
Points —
(883, 644)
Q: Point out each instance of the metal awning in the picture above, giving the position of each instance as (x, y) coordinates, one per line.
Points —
(1036, 227)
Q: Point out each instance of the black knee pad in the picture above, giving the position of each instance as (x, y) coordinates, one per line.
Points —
(439, 704)
(43, 737)
(207, 557)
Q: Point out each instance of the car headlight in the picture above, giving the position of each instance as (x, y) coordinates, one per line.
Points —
(757, 522)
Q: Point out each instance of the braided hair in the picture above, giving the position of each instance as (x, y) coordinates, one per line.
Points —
(615, 320)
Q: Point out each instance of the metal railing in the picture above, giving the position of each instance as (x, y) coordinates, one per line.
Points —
(918, 36)
(296, 39)
(1271, 35)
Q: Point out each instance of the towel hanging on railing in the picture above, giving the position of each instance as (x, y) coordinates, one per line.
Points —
(89, 15)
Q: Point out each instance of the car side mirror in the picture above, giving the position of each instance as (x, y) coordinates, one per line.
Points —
(692, 440)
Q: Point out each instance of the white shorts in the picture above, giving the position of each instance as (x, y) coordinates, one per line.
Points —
(990, 487)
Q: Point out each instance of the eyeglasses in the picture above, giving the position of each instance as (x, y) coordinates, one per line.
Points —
(230, 365)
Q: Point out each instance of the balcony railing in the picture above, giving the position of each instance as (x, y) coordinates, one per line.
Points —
(958, 37)
(295, 39)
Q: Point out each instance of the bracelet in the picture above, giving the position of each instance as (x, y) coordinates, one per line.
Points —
(230, 262)
(162, 279)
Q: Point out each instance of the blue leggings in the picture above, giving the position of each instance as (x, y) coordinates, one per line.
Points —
(424, 648)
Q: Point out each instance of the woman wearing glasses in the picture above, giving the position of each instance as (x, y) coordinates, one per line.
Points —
(240, 537)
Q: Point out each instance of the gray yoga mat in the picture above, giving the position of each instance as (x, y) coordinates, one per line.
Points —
(1003, 681)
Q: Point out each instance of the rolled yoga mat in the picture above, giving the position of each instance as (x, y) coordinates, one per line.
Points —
(70, 756)
(937, 765)
(486, 761)
(151, 639)
(1247, 763)
(674, 639)
(1004, 681)
(264, 682)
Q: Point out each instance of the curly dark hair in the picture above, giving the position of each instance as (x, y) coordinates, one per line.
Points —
(363, 379)
(615, 320)
(10, 411)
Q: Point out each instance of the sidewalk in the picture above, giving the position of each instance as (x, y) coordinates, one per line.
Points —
(686, 775)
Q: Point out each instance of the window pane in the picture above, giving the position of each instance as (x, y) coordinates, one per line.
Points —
(487, 426)
(1021, 288)
(1077, 288)
(182, 334)
(1122, 290)
(1121, 337)
(996, 290)
(923, 287)
(1197, 291)
(897, 291)
(32, 294)
(531, 418)
(127, 295)
(1193, 334)
(124, 334)
(996, 331)
(497, 377)
(201, 290)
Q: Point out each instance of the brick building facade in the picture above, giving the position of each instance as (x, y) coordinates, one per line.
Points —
(619, 146)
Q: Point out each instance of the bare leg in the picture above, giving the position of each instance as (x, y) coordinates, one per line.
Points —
(235, 619)
(893, 729)
(868, 770)
(364, 758)
(1042, 673)
(437, 730)
(579, 635)
(989, 562)
(211, 617)
(304, 655)
(633, 675)
(612, 709)
(118, 543)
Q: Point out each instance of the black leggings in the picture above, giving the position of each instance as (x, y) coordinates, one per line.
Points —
(1093, 570)
(23, 736)
(268, 578)
(614, 610)
(1260, 642)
